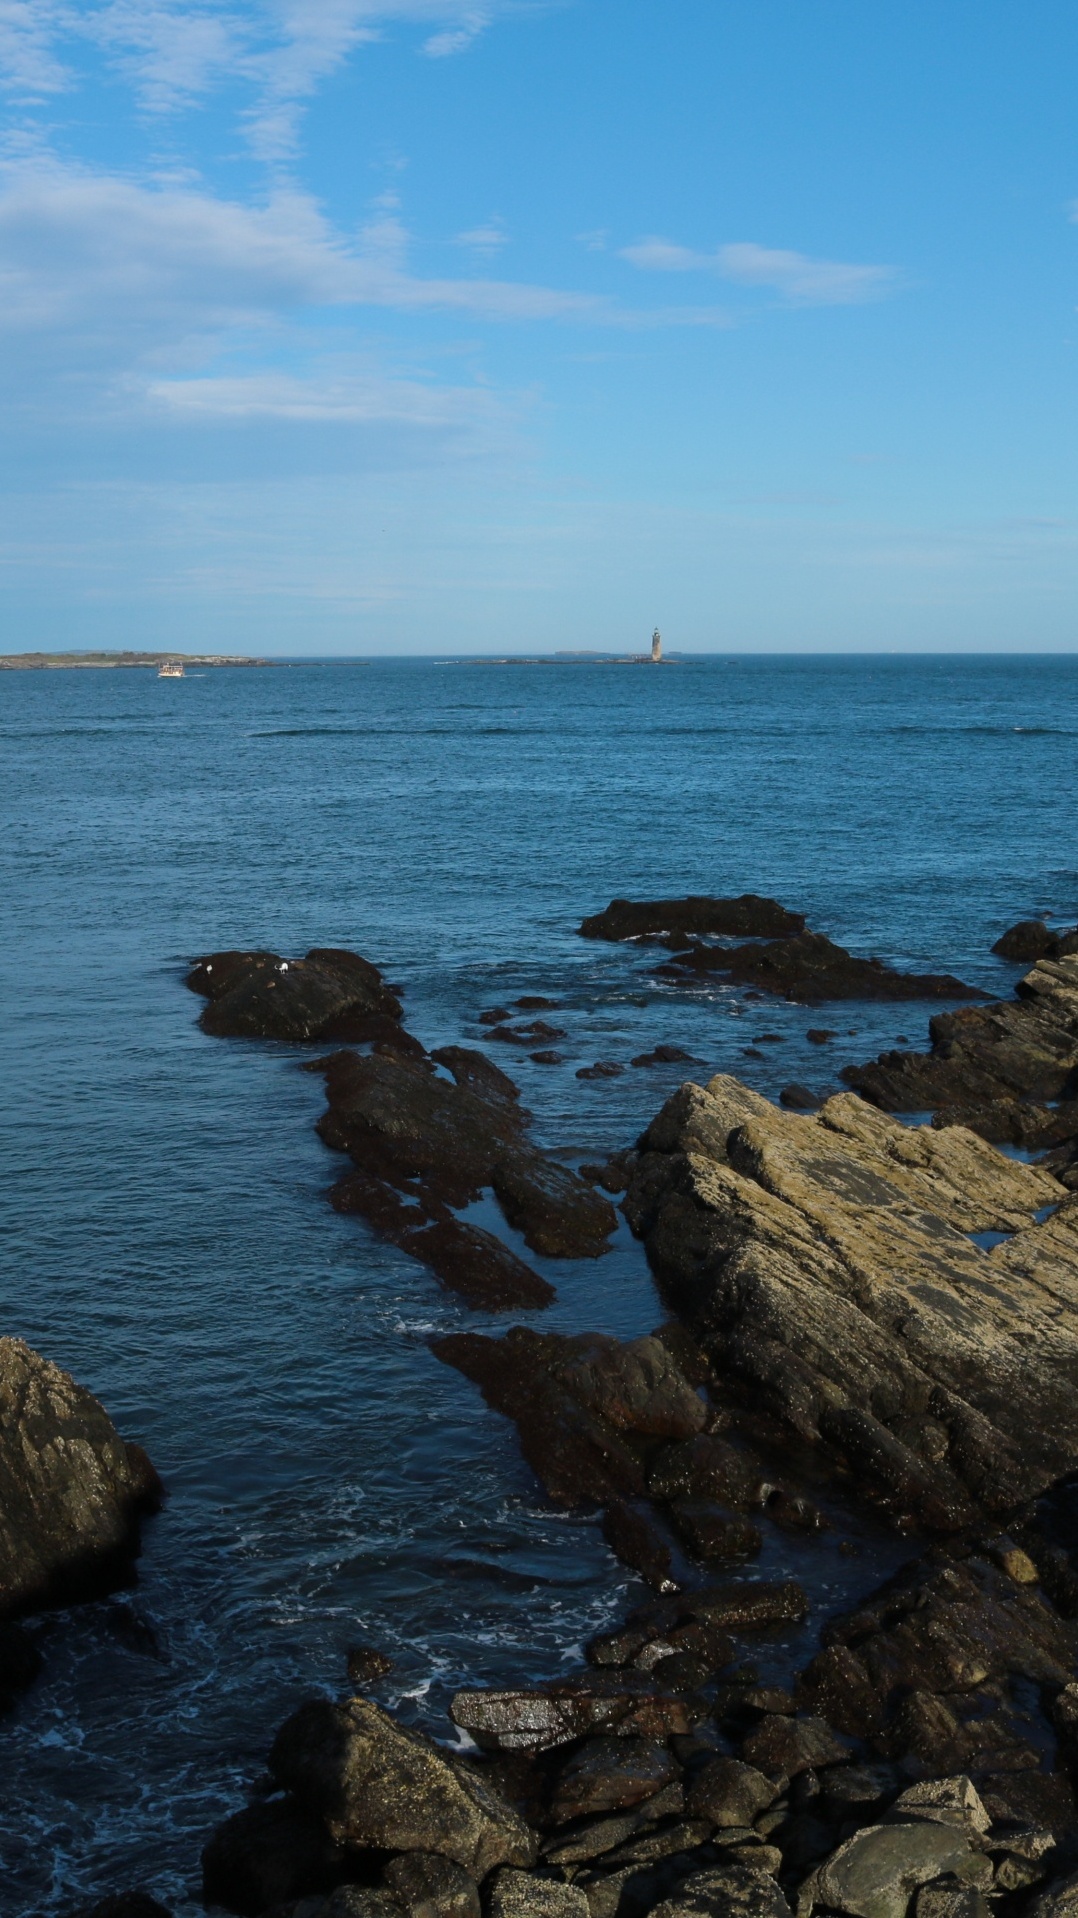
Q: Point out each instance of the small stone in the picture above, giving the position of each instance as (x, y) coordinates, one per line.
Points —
(547, 1057)
(1015, 1874)
(1016, 1563)
(799, 1098)
(819, 1035)
(732, 1891)
(602, 1069)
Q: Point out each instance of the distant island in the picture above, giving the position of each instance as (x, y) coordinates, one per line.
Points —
(15, 662)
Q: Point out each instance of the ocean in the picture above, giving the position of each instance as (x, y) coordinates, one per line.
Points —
(165, 1230)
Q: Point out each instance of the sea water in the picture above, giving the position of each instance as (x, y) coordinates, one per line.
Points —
(166, 1234)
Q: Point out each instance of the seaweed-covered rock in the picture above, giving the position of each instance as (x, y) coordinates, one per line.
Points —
(73, 1491)
(748, 917)
(829, 1266)
(375, 1784)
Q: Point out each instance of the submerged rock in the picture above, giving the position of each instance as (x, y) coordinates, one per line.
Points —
(748, 917)
(470, 1261)
(826, 1265)
(73, 1491)
(375, 1784)
(331, 994)
(1032, 939)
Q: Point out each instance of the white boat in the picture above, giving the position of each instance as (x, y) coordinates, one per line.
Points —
(170, 669)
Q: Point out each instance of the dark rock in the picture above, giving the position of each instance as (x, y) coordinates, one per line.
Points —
(375, 1784)
(810, 969)
(557, 1713)
(467, 1259)
(632, 1534)
(1058, 1900)
(791, 1745)
(656, 1842)
(527, 1035)
(520, 1894)
(402, 1123)
(838, 1686)
(268, 1854)
(427, 1885)
(259, 995)
(20, 1663)
(1021, 1048)
(709, 1466)
(352, 1901)
(475, 1071)
(74, 1491)
(560, 1216)
(800, 1098)
(534, 1002)
(1019, 1122)
(1031, 939)
(730, 1793)
(711, 1533)
(819, 1035)
(944, 1801)
(602, 1069)
(748, 917)
(124, 1904)
(495, 1016)
(747, 1606)
(593, 1837)
(365, 1664)
(548, 1057)
(856, 1792)
(610, 1774)
(664, 1056)
(585, 1407)
(948, 1897)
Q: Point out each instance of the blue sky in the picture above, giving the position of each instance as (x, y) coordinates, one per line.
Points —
(424, 325)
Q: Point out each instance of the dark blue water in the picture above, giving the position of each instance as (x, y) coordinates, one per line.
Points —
(166, 1235)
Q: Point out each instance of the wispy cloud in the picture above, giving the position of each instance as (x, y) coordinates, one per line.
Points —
(486, 239)
(796, 277)
(174, 54)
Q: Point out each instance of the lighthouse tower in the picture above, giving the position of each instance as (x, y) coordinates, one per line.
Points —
(656, 647)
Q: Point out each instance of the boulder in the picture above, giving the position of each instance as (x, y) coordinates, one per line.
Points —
(633, 1534)
(785, 1746)
(366, 1663)
(73, 1491)
(610, 1774)
(1058, 1900)
(268, 1854)
(711, 1533)
(565, 1710)
(829, 1265)
(520, 1894)
(1031, 939)
(875, 1873)
(477, 1073)
(950, 1898)
(558, 1213)
(748, 917)
(375, 1784)
(330, 994)
(595, 1837)
(811, 969)
(730, 1793)
(944, 1801)
(427, 1885)
(588, 1408)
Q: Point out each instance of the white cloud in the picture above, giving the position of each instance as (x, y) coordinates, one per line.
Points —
(345, 399)
(486, 239)
(800, 280)
(29, 66)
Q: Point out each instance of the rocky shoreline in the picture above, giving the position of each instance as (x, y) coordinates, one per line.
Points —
(864, 1317)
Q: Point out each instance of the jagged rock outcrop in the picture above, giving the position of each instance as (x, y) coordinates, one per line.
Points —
(989, 1061)
(72, 1491)
(826, 1266)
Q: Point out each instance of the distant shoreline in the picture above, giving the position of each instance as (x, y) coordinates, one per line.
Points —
(23, 662)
